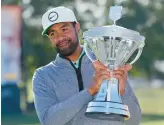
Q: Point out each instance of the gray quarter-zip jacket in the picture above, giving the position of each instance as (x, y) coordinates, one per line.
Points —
(58, 100)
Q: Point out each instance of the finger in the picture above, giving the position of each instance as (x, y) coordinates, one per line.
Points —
(103, 77)
(102, 72)
(128, 67)
(120, 68)
(121, 72)
(122, 83)
(98, 65)
(121, 78)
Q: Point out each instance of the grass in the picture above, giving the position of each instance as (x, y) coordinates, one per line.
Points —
(23, 119)
(151, 102)
(152, 105)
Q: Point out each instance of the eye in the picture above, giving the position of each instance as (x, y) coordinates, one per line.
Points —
(51, 34)
(65, 29)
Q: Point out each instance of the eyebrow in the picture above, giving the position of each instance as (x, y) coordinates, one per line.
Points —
(64, 25)
(49, 31)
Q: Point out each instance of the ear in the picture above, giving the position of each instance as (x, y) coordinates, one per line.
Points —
(77, 27)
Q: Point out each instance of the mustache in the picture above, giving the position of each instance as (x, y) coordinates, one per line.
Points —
(63, 40)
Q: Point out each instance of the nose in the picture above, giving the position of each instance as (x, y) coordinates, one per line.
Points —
(59, 37)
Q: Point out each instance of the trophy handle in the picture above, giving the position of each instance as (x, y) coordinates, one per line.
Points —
(138, 54)
(86, 49)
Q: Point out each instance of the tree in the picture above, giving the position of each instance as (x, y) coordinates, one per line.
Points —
(144, 18)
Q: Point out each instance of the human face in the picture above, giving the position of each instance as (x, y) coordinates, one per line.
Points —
(64, 38)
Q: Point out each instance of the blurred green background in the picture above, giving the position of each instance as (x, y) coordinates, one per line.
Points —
(147, 75)
(151, 102)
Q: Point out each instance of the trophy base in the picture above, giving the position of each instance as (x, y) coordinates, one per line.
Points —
(107, 111)
(104, 116)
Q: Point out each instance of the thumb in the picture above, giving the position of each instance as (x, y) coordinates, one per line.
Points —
(128, 67)
(98, 65)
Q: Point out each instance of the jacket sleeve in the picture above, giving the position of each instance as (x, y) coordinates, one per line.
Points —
(130, 99)
(49, 110)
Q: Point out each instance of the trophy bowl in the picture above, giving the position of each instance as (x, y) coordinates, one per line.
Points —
(113, 46)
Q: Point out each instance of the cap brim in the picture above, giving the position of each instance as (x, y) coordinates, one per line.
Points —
(45, 32)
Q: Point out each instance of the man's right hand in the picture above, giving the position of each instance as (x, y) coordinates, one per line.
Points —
(101, 73)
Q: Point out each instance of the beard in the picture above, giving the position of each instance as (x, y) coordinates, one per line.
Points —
(70, 47)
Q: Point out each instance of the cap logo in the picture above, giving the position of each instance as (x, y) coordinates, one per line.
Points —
(53, 16)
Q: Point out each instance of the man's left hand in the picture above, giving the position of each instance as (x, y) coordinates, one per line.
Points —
(121, 74)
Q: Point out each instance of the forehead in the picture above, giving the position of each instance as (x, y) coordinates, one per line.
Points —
(60, 25)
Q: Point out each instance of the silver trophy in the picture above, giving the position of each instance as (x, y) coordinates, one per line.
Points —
(113, 46)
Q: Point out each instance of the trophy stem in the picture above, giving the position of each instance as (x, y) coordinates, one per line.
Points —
(109, 91)
(113, 91)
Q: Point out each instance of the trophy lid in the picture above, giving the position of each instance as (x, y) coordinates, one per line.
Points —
(114, 30)
(113, 45)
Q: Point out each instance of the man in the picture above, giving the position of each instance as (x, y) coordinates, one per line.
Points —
(64, 87)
